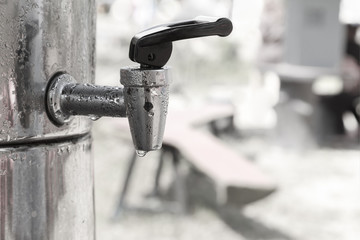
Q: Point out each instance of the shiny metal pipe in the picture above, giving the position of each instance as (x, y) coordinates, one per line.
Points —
(66, 98)
(92, 100)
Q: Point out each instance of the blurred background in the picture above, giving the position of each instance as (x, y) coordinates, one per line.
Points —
(276, 105)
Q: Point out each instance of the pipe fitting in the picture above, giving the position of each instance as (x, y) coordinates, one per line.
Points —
(53, 99)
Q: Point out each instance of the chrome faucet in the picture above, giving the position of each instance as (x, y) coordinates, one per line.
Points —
(144, 97)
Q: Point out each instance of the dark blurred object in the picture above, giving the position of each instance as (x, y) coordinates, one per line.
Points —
(347, 101)
(352, 47)
(104, 6)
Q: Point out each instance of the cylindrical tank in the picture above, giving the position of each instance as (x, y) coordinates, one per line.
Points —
(46, 172)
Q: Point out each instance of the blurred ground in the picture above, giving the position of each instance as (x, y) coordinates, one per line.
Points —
(318, 194)
(317, 198)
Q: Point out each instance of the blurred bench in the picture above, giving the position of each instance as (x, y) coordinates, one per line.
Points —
(237, 181)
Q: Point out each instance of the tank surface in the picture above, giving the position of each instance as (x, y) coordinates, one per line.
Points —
(39, 38)
(46, 191)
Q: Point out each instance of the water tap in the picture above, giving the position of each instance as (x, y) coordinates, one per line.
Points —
(143, 99)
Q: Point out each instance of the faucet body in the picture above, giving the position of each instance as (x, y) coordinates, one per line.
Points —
(143, 99)
(146, 95)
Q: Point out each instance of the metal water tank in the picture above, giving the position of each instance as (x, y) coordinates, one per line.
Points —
(46, 172)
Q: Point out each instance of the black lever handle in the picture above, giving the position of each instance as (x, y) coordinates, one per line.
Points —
(152, 48)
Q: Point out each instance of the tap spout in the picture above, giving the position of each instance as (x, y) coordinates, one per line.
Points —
(146, 96)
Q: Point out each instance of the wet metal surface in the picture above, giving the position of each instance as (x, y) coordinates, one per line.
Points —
(46, 191)
(144, 100)
(66, 98)
(99, 101)
(39, 38)
(46, 180)
(146, 94)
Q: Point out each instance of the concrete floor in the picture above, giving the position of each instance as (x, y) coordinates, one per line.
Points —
(317, 198)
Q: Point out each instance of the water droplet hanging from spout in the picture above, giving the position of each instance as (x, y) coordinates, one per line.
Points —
(141, 153)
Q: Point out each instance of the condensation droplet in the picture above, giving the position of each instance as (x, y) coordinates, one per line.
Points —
(94, 117)
(141, 153)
